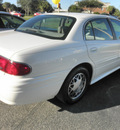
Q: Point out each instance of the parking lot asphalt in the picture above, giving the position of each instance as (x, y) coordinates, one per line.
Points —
(99, 109)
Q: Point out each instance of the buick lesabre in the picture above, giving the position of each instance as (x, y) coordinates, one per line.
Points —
(57, 55)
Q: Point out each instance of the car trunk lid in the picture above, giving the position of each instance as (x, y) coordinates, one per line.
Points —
(12, 42)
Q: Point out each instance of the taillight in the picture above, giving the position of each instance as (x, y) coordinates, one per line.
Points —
(14, 68)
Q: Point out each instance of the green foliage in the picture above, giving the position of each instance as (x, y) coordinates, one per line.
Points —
(6, 6)
(32, 6)
(96, 13)
(104, 13)
(25, 4)
(111, 9)
(44, 6)
(9, 7)
(90, 4)
(1, 1)
(13, 7)
(85, 3)
(28, 17)
(1, 8)
(74, 8)
(117, 12)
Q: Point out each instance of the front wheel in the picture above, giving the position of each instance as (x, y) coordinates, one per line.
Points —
(75, 85)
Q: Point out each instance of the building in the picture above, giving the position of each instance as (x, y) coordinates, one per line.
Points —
(99, 10)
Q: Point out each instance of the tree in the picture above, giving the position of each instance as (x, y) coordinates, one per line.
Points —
(74, 8)
(32, 6)
(1, 8)
(19, 9)
(29, 6)
(1, 1)
(96, 13)
(44, 6)
(104, 13)
(6, 6)
(117, 12)
(13, 7)
(25, 4)
(111, 9)
(90, 4)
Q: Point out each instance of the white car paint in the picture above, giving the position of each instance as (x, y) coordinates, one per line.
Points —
(51, 61)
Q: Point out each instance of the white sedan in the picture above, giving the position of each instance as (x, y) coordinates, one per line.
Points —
(57, 55)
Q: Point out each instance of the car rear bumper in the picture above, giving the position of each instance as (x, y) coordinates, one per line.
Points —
(18, 91)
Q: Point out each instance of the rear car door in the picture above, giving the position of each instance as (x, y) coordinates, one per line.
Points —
(102, 48)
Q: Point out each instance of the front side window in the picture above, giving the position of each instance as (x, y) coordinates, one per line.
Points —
(116, 26)
(98, 29)
(54, 27)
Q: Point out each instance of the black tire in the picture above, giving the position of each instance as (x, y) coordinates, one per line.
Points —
(74, 86)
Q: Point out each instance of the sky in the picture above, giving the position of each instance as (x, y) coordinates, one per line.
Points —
(66, 3)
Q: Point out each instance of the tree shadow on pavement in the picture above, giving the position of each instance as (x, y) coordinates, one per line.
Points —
(102, 95)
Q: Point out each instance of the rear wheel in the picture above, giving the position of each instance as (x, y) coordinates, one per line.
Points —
(75, 85)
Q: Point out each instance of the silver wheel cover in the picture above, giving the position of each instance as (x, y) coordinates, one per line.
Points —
(77, 86)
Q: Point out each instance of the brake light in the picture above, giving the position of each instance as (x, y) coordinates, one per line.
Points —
(14, 68)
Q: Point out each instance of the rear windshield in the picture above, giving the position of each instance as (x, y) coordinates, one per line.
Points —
(49, 26)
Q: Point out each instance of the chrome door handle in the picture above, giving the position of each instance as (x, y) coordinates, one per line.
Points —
(94, 49)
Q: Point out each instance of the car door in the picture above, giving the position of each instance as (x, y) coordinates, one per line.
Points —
(102, 48)
(116, 27)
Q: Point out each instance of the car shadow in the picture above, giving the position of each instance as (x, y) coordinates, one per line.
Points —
(102, 95)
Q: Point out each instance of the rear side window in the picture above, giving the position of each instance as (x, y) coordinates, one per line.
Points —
(99, 29)
(89, 32)
(116, 26)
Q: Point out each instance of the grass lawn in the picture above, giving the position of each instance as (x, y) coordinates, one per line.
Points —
(28, 17)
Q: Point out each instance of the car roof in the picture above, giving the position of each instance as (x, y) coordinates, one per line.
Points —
(83, 15)
(2, 12)
(6, 13)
